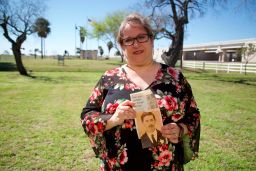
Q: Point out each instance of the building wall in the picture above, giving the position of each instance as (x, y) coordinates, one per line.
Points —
(200, 55)
(88, 54)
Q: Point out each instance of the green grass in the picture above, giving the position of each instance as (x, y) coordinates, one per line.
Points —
(227, 103)
(51, 65)
(40, 125)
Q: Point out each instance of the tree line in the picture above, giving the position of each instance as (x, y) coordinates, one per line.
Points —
(21, 18)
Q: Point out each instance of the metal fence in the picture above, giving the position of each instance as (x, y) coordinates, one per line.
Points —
(221, 66)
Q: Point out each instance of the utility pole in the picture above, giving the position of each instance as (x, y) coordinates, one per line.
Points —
(75, 39)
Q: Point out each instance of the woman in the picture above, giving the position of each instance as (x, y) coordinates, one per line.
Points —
(108, 117)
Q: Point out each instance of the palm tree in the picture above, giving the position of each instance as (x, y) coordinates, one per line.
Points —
(101, 50)
(83, 34)
(35, 51)
(110, 46)
(41, 27)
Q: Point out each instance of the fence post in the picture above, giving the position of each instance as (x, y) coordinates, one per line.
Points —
(216, 67)
(228, 68)
(241, 67)
(203, 65)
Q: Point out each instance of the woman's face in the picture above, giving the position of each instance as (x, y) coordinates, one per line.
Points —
(137, 53)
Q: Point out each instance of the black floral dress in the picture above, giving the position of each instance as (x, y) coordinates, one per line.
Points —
(119, 148)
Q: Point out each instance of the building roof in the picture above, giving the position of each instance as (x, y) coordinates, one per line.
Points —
(218, 46)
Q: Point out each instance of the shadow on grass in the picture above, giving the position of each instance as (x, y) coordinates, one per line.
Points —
(7, 66)
(223, 77)
(60, 79)
(47, 79)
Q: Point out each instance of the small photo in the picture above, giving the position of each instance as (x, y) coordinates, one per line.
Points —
(148, 125)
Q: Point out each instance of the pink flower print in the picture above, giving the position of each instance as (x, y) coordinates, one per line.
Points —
(196, 115)
(90, 126)
(117, 135)
(130, 86)
(111, 108)
(122, 76)
(170, 103)
(95, 94)
(176, 117)
(160, 102)
(123, 157)
(112, 72)
(165, 158)
(159, 75)
(193, 103)
(111, 163)
(128, 123)
(171, 71)
(163, 147)
(104, 155)
(178, 88)
(100, 127)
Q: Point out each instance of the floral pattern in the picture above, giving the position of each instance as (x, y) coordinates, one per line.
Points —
(119, 148)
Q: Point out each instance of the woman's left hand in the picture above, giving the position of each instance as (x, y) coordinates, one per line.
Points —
(171, 131)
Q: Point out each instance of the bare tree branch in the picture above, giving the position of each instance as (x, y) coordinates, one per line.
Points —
(17, 17)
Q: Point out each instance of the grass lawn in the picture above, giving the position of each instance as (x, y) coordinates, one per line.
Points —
(40, 117)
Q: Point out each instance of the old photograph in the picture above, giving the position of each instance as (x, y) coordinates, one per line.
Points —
(148, 119)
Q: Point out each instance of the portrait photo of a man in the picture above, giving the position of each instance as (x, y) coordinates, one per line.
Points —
(152, 136)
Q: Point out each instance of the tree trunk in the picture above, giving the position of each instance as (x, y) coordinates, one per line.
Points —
(17, 55)
(42, 55)
(245, 67)
(120, 53)
(44, 47)
(16, 45)
(174, 52)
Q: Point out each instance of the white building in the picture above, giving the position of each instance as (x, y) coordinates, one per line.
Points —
(225, 51)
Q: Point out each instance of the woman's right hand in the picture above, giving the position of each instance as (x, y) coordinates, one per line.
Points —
(123, 111)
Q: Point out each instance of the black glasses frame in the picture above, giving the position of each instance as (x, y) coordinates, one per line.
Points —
(137, 38)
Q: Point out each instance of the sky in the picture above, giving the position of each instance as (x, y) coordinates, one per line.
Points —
(214, 26)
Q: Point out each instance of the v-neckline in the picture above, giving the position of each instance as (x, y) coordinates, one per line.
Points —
(155, 78)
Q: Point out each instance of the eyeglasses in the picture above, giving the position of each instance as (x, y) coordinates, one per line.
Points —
(141, 38)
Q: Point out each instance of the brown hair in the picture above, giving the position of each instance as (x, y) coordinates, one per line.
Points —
(136, 19)
(144, 114)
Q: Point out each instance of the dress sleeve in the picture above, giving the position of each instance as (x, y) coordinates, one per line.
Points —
(94, 121)
(192, 120)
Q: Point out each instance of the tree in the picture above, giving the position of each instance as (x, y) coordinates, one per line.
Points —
(101, 50)
(169, 18)
(117, 53)
(6, 52)
(35, 51)
(16, 20)
(41, 27)
(98, 29)
(248, 52)
(83, 34)
(113, 22)
(108, 28)
(110, 46)
(78, 50)
(66, 53)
